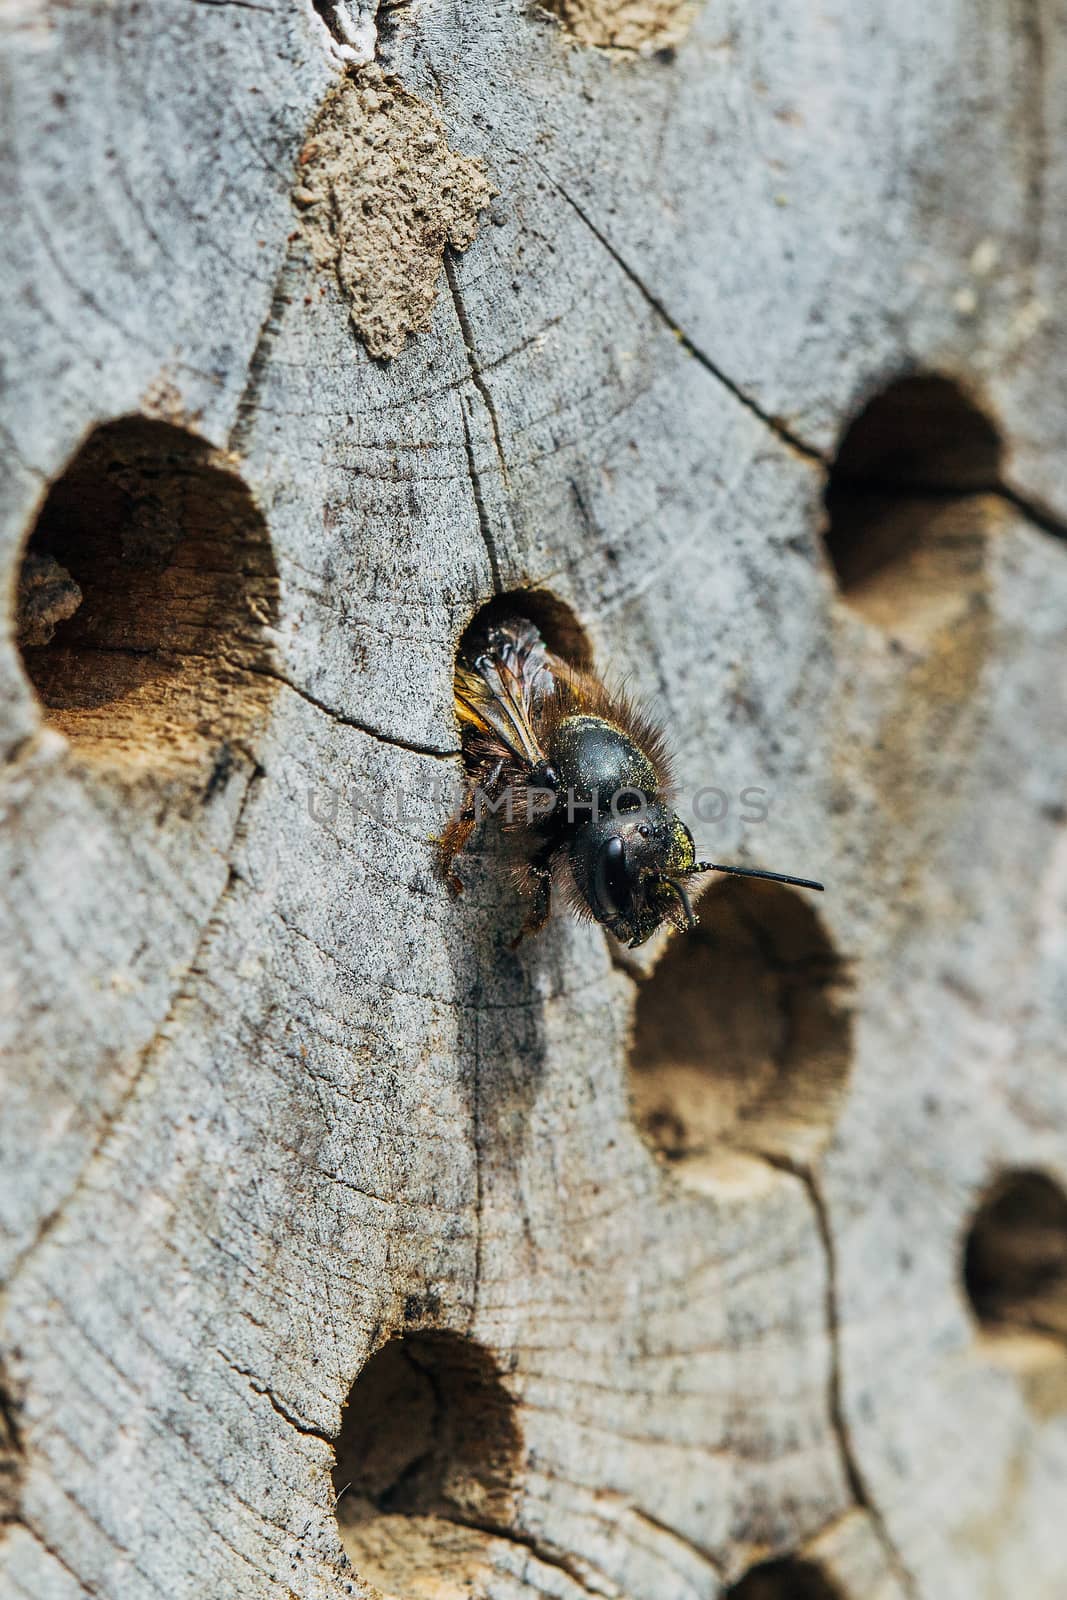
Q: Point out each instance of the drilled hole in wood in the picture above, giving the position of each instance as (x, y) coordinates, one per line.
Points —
(426, 1465)
(143, 598)
(1015, 1262)
(558, 625)
(1015, 1275)
(741, 1036)
(910, 499)
(787, 1579)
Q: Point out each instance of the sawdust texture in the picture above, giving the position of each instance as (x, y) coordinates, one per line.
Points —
(639, 27)
(382, 196)
(47, 596)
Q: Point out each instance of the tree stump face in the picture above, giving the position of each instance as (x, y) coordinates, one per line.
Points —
(345, 1249)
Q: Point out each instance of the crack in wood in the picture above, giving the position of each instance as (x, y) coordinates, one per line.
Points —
(257, 1386)
(352, 722)
(1033, 107)
(857, 1484)
(1042, 518)
(479, 504)
(477, 377)
(479, 1186)
(779, 428)
(238, 5)
(702, 1555)
(111, 1119)
(21, 1521)
(476, 371)
(581, 1572)
(247, 404)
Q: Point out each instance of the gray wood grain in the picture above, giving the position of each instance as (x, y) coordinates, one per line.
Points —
(269, 1096)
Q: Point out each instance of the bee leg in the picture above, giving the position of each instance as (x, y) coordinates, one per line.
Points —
(539, 877)
(453, 840)
(452, 843)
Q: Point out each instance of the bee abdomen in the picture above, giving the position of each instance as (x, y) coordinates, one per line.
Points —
(591, 753)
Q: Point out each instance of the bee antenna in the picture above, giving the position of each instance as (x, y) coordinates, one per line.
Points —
(758, 872)
(679, 889)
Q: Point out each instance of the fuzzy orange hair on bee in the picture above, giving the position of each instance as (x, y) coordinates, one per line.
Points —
(582, 775)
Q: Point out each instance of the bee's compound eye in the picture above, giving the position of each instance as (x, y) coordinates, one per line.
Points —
(611, 886)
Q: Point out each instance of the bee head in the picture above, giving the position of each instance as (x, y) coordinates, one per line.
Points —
(629, 870)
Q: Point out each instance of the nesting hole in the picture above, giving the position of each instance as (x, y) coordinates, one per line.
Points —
(741, 1035)
(1015, 1275)
(426, 1465)
(1015, 1262)
(144, 595)
(556, 622)
(787, 1579)
(910, 500)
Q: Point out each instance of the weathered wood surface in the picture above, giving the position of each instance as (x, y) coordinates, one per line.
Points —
(269, 1095)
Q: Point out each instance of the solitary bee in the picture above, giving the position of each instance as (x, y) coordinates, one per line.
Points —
(584, 775)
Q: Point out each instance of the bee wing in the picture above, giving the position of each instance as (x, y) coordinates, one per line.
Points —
(499, 693)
